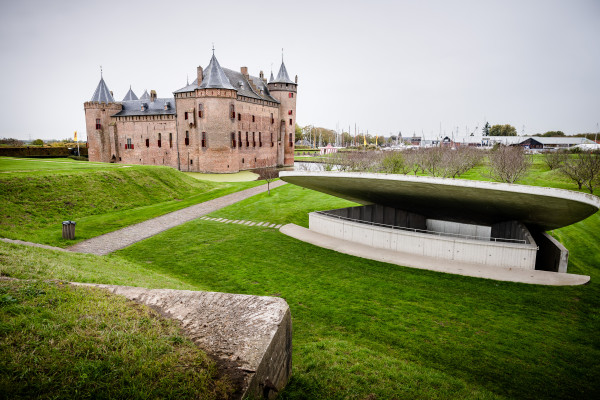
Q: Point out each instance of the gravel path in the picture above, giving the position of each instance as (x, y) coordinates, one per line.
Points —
(117, 240)
(43, 246)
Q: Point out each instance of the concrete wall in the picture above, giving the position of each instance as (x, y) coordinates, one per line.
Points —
(481, 232)
(496, 254)
(552, 256)
(250, 337)
(382, 215)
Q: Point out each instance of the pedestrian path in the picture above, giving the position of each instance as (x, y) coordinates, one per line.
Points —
(243, 222)
(122, 238)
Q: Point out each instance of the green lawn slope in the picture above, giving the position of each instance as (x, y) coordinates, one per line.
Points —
(33, 203)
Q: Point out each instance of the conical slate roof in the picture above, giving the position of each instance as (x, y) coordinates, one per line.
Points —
(271, 78)
(282, 76)
(145, 96)
(214, 77)
(130, 95)
(102, 94)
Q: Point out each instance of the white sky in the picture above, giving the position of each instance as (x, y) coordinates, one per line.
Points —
(387, 66)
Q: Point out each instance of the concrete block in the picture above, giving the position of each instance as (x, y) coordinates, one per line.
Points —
(250, 337)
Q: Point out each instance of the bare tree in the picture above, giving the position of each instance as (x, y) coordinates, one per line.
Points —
(554, 159)
(508, 164)
(267, 172)
(584, 170)
(394, 162)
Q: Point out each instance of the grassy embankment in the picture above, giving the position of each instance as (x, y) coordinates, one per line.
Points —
(365, 329)
(37, 195)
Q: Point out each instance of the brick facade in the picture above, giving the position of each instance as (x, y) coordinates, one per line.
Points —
(216, 130)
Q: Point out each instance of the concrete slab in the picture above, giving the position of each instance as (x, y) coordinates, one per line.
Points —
(249, 336)
(272, 226)
(252, 224)
(277, 226)
(433, 264)
(459, 200)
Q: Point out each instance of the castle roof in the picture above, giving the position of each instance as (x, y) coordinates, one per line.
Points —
(214, 77)
(130, 95)
(102, 94)
(145, 96)
(282, 76)
(271, 78)
(252, 87)
(156, 107)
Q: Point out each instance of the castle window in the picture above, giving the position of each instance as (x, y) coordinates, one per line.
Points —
(233, 140)
(191, 162)
(200, 110)
(291, 142)
(187, 138)
(272, 144)
(147, 142)
(239, 117)
(129, 145)
(186, 115)
(159, 139)
(171, 140)
(290, 121)
(272, 119)
(253, 118)
(259, 139)
(203, 139)
(247, 142)
(239, 139)
(253, 140)
(290, 112)
(98, 124)
(290, 95)
(231, 111)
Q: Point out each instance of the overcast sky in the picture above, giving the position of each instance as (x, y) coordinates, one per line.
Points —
(386, 66)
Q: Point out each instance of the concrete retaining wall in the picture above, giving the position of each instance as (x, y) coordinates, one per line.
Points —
(477, 231)
(511, 255)
(249, 336)
(552, 256)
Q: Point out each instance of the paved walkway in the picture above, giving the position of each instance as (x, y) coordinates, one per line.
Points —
(117, 240)
(433, 264)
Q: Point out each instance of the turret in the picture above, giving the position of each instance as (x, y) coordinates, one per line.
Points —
(284, 90)
(97, 121)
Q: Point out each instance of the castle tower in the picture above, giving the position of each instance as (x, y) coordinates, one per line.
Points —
(100, 135)
(284, 90)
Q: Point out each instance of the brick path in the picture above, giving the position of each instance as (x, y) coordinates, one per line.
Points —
(117, 240)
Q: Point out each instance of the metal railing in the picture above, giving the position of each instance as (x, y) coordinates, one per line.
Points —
(455, 235)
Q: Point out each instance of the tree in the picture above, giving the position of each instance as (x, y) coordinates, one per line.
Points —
(584, 170)
(486, 129)
(508, 163)
(267, 172)
(550, 134)
(503, 130)
(38, 142)
(11, 142)
(554, 159)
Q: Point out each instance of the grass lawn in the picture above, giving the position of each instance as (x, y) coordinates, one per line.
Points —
(364, 328)
(369, 330)
(100, 199)
(59, 341)
(14, 164)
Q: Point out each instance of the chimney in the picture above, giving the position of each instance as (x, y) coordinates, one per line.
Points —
(200, 75)
(244, 71)
(152, 95)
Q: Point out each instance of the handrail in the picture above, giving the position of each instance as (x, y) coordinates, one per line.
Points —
(458, 235)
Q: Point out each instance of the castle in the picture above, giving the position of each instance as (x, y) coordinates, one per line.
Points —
(223, 122)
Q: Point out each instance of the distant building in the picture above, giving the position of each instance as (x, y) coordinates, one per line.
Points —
(224, 121)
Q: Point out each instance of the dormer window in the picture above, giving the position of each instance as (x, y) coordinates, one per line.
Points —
(167, 105)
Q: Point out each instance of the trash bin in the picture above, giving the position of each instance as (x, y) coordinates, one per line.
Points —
(68, 230)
